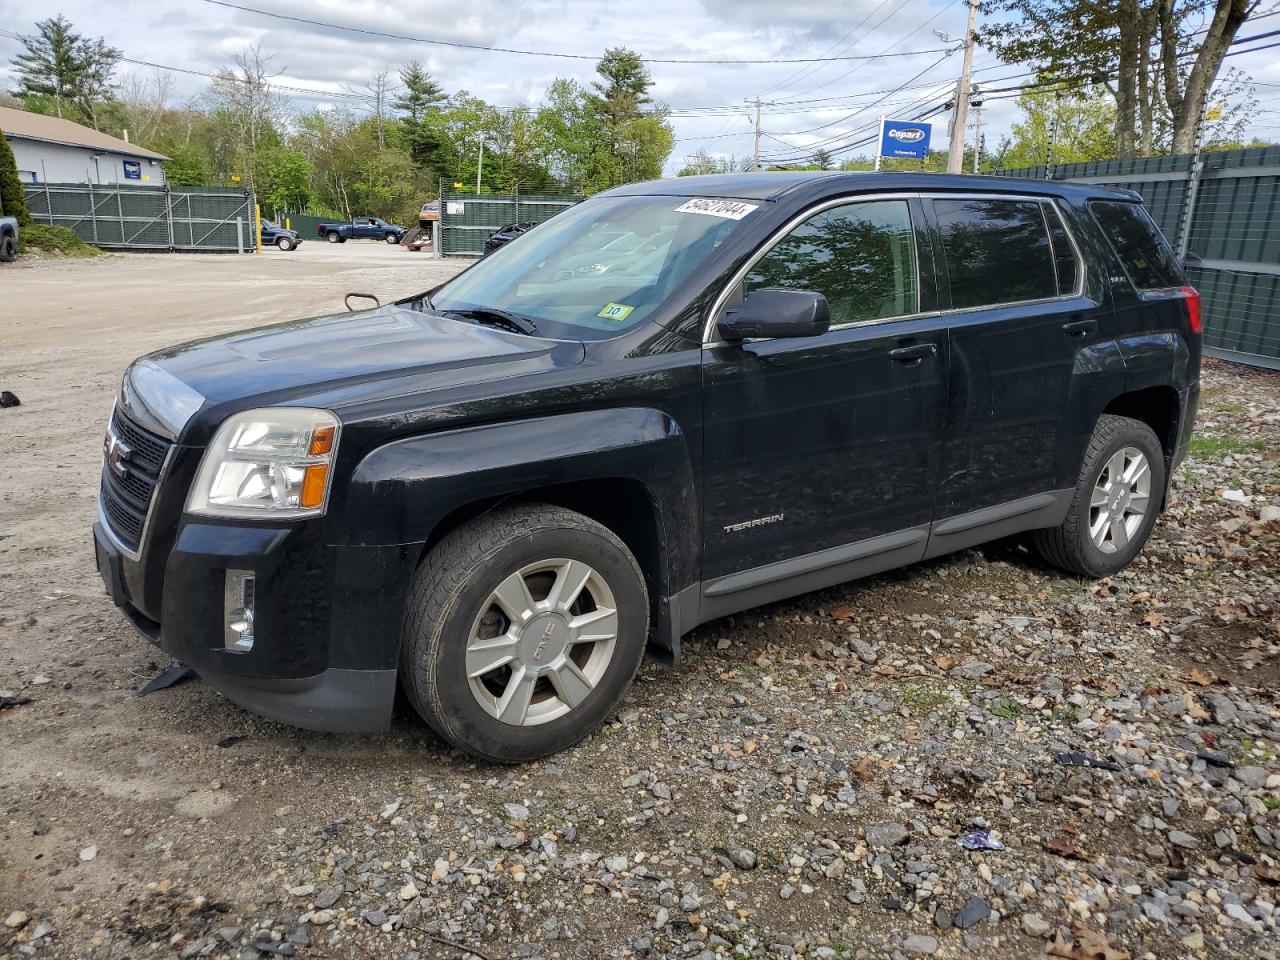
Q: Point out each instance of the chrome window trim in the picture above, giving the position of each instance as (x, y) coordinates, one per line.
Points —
(710, 340)
(708, 330)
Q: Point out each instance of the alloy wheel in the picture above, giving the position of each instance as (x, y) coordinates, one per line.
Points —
(1120, 500)
(542, 641)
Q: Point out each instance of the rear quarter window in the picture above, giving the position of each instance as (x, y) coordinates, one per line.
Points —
(1143, 252)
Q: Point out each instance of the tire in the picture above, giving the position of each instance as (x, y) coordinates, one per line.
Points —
(452, 606)
(1112, 455)
(392, 239)
(333, 237)
(8, 249)
(285, 244)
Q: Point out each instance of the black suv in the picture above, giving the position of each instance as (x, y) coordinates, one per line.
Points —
(674, 401)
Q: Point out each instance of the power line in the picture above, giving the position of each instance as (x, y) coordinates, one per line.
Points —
(459, 44)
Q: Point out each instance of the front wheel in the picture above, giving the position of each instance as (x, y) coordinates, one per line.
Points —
(1115, 504)
(8, 249)
(524, 628)
(391, 238)
(285, 244)
(332, 236)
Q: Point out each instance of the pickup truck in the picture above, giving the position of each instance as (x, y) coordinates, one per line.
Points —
(360, 228)
(673, 402)
(8, 238)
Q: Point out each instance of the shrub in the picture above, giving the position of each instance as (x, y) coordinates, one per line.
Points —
(55, 240)
(12, 198)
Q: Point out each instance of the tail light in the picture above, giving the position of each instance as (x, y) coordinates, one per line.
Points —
(1195, 320)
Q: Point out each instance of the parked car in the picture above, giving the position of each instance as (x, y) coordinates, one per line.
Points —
(275, 235)
(505, 235)
(8, 238)
(429, 213)
(495, 493)
(360, 228)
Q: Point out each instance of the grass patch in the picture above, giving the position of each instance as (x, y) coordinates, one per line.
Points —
(920, 700)
(1007, 708)
(1271, 801)
(57, 241)
(1212, 448)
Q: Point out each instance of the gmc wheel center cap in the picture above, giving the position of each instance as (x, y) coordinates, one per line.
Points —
(543, 640)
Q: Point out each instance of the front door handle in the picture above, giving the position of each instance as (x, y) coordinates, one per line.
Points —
(912, 355)
(1078, 328)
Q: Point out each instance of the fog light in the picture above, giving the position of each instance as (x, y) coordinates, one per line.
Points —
(238, 609)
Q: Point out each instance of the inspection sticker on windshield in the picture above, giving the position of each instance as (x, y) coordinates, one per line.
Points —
(615, 311)
(728, 209)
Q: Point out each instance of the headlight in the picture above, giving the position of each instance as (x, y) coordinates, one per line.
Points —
(275, 462)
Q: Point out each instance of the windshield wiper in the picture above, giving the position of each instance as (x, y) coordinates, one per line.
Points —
(493, 317)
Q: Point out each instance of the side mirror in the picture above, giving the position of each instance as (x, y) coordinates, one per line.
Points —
(777, 312)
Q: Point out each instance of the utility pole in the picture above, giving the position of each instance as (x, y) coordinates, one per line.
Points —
(955, 156)
(976, 103)
(479, 166)
(755, 155)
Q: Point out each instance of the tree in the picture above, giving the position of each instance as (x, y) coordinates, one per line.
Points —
(13, 200)
(71, 70)
(636, 143)
(247, 113)
(421, 127)
(1147, 53)
(822, 160)
(1082, 127)
(702, 162)
(287, 181)
(421, 93)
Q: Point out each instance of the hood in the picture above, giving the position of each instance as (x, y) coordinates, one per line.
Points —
(331, 362)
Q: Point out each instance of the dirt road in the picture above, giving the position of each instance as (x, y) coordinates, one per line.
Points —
(794, 788)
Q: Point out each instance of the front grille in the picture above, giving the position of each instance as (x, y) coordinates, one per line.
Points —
(126, 498)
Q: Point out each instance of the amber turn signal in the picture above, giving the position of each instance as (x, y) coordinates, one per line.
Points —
(313, 484)
(321, 441)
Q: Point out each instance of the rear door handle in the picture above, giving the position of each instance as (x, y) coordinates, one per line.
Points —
(911, 355)
(1078, 328)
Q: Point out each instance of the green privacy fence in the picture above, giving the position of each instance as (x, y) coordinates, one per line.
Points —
(468, 219)
(119, 217)
(1221, 211)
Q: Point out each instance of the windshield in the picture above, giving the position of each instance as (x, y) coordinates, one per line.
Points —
(599, 268)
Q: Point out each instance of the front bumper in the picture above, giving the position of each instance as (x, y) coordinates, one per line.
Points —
(315, 663)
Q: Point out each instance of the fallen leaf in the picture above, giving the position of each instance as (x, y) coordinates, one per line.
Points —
(1153, 619)
(865, 769)
(945, 662)
(1201, 678)
(842, 613)
(1083, 943)
(1063, 847)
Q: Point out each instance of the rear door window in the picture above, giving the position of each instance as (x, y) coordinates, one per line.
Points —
(1143, 252)
(996, 251)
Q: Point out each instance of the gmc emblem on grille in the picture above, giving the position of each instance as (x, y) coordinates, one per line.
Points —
(116, 452)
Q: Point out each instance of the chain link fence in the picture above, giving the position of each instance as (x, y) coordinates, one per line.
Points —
(1221, 212)
(119, 217)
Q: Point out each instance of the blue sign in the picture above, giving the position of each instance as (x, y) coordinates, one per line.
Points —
(904, 138)
(133, 170)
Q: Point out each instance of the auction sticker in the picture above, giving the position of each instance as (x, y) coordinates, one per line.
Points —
(615, 311)
(728, 209)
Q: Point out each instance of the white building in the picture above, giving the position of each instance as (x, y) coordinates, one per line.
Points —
(50, 150)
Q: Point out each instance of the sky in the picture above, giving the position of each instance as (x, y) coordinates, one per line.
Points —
(808, 106)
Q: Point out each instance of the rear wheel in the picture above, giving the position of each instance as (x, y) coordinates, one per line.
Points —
(523, 630)
(332, 236)
(1116, 501)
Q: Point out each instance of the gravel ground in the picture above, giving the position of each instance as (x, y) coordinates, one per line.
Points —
(797, 787)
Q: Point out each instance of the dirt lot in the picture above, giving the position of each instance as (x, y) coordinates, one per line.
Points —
(795, 788)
